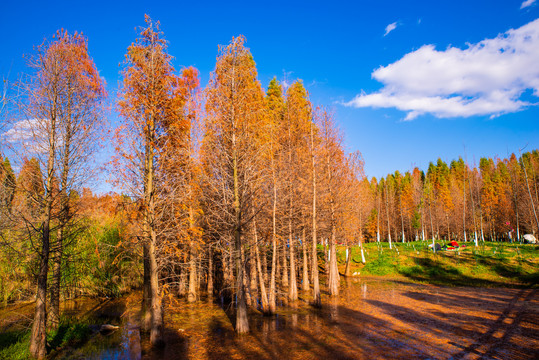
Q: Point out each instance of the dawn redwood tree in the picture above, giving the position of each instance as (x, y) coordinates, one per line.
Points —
(59, 106)
(314, 145)
(180, 180)
(44, 105)
(80, 129)
(150, 99)
(233, 154)
(331, 147)
(297, 118)
(192, 179)
(275, 108)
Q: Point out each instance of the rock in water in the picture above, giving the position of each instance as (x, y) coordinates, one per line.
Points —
(108, 329)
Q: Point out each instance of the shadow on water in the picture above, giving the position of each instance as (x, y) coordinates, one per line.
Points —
(370, 319)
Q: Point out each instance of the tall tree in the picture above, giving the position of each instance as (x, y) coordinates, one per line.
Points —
(275, 108)
(298, 117)
(55, 94)
(150, 100)
(234, 147)
(80, 128)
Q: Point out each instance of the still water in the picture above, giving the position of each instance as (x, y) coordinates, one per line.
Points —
(371, 319)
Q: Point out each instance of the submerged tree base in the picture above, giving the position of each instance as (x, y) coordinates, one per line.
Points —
(370, 319)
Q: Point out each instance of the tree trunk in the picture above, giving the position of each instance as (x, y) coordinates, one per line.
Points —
(272, 300)
(284, 267)
(156, 330)
(146, 289)
(333, 281)
(54, 314)
(305, 286)
(63, 216)
(264, 263)
(316, 284)
(38, 337)
(253, 270)
(348, 257)
(245, 282)
(263, 294)
(156, 318)
(293, 286)
(210, 273)
(192, 294)
(242, 323)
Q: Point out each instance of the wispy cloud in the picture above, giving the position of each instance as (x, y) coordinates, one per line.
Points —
(487, 78)
(527, 3)
(21, 131)
(30, 133)
(390, 28)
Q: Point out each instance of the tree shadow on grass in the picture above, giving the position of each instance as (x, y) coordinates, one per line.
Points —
(439, 273)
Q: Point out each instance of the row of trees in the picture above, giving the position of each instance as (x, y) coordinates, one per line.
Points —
(230, 188)
(496, 201)
(232, 191)
(236, 186)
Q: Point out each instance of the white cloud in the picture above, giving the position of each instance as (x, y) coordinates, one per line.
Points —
(486, 78)
(21, 131)
(390, 28)
(527, 3)
(30, 133)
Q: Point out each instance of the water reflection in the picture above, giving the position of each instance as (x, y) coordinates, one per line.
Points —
(370, 319)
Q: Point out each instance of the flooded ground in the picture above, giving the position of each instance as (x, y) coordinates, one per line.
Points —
(372, 319)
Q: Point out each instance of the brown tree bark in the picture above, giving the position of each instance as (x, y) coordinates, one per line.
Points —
(38, 335)
(210, 273)
(293, 286)
(305, 286)
(263, 294)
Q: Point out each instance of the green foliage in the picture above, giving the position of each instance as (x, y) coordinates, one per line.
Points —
(416, 220)
(14, 345)
(68, 334)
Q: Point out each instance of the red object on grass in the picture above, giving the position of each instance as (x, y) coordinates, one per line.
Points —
(454, 243)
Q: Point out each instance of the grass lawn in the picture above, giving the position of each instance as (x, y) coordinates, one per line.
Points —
(491, 264)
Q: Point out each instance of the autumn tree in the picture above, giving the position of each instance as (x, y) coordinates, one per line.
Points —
(150, 100)
(275, 110)
(233, 154)
(297, 119)
(333, 160)
(80, 129)
(59, 104)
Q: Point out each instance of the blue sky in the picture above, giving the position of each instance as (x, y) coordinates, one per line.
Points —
(336, 48)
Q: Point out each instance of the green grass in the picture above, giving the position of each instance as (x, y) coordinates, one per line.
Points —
(489, 265)
(68, 334)
(14, 345)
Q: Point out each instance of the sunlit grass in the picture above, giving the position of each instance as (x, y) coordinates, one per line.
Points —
(490, 264)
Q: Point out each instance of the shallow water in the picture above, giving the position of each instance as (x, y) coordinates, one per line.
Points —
(371, 319)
